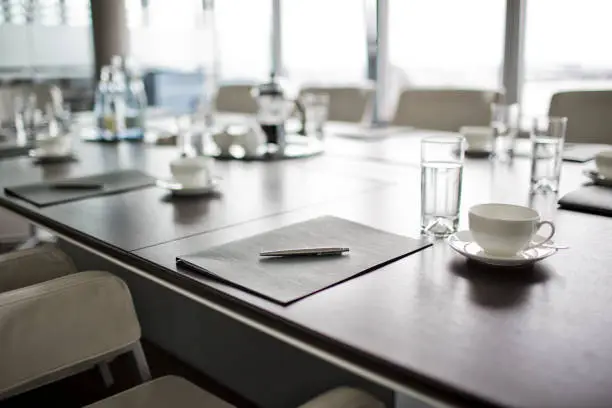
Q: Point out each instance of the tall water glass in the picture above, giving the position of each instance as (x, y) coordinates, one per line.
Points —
(316, 107)
(547, 139)
(441, 175)
(505, 124)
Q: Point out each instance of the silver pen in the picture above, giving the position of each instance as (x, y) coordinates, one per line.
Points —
(306, 252)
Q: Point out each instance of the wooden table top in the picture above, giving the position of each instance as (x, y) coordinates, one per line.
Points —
(465, 333)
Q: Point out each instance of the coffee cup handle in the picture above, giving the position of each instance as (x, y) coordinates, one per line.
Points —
(548, 238)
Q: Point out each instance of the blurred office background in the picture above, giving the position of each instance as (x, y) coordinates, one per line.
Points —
(444, 43)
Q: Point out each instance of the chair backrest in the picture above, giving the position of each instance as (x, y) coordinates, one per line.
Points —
(444, 109)
(63, 326)
(346, 103)
(26, 267)
(235, 98)
(589, 115)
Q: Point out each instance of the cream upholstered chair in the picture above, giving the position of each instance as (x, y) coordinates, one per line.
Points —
(346, 103)
(27, 267)
(444, 109)
(60, 327)
(164, 392)
(235, 98)
(174, 392)
(589, 115)
(57, 328)
(14, 230)
(344, 397)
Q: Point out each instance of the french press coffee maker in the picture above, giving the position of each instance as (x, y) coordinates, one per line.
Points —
(274, 109)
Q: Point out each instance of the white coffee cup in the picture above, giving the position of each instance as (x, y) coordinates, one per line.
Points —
(603, 161)
(224, 139)
(192, 171)
(251, 140)
(54, 146)
(478, 138)
(506, 229)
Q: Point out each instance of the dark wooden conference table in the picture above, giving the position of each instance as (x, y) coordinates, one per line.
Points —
(431, 325)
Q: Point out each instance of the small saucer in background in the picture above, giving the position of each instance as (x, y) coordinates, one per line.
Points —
(597, 178)
(479, 140)
(179, 189)
(603, 162)
(42, 157)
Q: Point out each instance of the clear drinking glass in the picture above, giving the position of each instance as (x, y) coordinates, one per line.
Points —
(505, 124)
(316, 107)
(547, 139)
(441, 175)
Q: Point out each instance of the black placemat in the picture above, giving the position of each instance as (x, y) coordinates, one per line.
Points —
(582, 152)
(43, 194)
(591, 199)
(286, 280)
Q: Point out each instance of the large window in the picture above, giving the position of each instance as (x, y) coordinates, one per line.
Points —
(45, 39)
(447, 42)
(178, 34)
(324, 40)
(45, 12)
(169, 36)
(567, 46)
(243, 28)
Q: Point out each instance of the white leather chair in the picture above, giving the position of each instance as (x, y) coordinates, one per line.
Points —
(346, 103)
(589, 115)
(174, 392)
(235, 98)
(444, 109)
(57, 328)
(27, 267)
(344, 397)
(164, 392)
(14, 230)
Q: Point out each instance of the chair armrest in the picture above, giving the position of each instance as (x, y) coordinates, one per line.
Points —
(27, 267)
(344, 397)
(76, 320)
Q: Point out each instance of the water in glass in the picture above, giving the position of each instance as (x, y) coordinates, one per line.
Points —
(547, 140)
(505, 123)
(546, 163)
(440, 197)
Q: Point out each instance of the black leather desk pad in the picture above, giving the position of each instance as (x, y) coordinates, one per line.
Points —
(286, 280)
(43, 194)
(591, 199)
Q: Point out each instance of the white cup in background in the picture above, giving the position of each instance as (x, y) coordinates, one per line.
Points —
(225, 139)
(506, 229)
(478, 138)
(251, 140)
(54, 146)
(192, 171)
(603, 161)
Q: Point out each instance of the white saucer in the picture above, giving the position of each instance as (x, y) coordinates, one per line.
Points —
(39, 155)
(463, 243)
(184, 190)
(597, 178)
